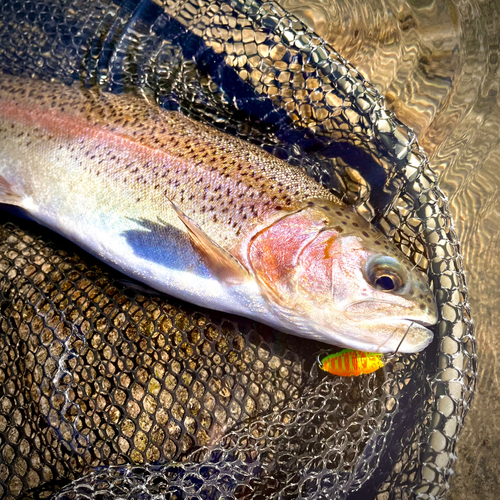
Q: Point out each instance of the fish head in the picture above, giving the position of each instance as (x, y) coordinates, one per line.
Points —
(328, 273)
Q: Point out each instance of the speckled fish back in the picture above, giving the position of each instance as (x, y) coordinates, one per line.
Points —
(226, 185)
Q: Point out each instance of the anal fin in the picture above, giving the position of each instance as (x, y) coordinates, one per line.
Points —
(8, 194)
(220, 262)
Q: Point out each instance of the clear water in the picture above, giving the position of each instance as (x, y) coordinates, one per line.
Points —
(438, 64)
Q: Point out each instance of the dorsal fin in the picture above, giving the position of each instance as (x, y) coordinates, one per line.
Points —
(220, 262)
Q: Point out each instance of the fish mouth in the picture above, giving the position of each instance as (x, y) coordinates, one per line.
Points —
(403, 336)
(409, 336)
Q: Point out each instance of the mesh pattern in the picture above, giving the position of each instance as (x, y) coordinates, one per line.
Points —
(110, 375)
(105, 375)
(95, 373)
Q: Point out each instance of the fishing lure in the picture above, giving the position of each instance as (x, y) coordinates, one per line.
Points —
(352, 363)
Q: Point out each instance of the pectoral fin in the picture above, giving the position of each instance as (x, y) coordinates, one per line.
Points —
(8, 194)
(222, 264)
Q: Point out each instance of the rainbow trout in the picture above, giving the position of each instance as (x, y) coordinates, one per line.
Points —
(206, 217)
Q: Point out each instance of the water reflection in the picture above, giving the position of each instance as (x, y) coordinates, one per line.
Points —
(437, 62)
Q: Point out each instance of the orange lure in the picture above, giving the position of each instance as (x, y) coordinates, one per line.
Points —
(352, 363)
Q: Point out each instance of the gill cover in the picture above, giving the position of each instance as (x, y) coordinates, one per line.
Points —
(293, 257)
(275, 253)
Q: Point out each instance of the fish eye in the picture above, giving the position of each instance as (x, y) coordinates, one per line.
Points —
(385, 274)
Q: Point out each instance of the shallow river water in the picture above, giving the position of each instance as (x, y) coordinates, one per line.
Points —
(437, 62)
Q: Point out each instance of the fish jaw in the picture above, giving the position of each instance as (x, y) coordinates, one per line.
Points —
(403, 336)
(407, 337)
(382, 336)
(396, 321)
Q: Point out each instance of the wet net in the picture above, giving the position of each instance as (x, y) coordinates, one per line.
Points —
(110, 390)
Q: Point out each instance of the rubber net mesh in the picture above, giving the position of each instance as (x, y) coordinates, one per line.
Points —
(109, 390)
